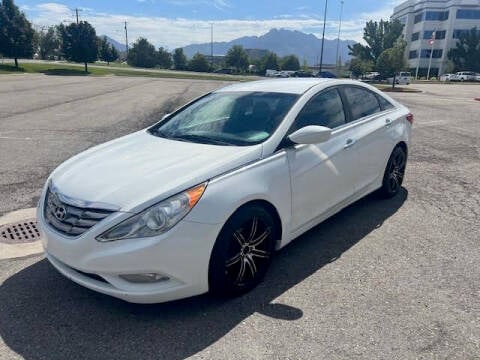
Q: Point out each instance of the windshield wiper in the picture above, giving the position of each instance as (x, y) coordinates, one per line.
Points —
(199, 138)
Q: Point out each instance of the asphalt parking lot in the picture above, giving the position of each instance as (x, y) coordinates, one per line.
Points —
(383, 279)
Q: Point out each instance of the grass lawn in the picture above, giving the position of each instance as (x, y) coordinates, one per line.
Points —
(75, 70)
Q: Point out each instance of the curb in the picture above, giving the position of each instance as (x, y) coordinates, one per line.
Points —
(13, 251)
(9, 251)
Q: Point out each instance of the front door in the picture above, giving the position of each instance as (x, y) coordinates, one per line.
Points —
(321, 174)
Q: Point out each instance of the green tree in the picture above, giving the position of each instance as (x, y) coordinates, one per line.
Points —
(79, 42)
(198, 63)
(16, 32)
(269, 62)
(237, 58)
(290, 62)
(48, 43)
(107, 51)
(466, 54)
(142, 54)
(392, 61)
(360, 67)
(164, 58)
(179, 59)
(379, 37)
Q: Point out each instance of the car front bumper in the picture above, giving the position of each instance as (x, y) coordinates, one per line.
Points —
(181, 257)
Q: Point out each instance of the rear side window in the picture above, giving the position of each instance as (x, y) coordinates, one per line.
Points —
(362, 102)
(325, 109)
(384, 103)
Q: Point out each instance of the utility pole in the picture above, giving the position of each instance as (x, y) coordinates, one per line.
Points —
(76, 13)
(211, 47)
(337, 62)
(323, 35)
(126, 38)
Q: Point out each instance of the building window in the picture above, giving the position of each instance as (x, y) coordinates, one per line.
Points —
(439, 35)
(468, 14)
(418, 18)
(437, 53)
(415, 36)
(436, 15)
(458, 33)
(413, 54)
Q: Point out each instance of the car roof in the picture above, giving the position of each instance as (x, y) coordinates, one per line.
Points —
(289, 86)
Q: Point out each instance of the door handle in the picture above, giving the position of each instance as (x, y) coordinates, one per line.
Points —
(349, 143)
(388, 122)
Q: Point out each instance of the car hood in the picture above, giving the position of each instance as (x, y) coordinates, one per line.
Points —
(140, 169)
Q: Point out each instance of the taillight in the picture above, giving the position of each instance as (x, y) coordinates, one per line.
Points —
(410, 118)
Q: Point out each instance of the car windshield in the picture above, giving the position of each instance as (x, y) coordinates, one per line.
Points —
(227, 118)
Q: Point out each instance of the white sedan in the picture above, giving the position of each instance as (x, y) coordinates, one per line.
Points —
(201, 200)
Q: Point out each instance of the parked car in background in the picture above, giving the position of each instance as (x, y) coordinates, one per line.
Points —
(402, 78)
(447, 77)
(201, 200)
(465, 76)
(326, 75)
(223, 71)
(279, 74)
(477, 77)
(372, 75)
(271, 73)
(303, 74)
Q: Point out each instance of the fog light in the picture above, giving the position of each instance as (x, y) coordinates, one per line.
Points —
(144, 278)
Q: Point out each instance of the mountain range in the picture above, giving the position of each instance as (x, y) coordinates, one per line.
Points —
(117, 45)
(282, 42)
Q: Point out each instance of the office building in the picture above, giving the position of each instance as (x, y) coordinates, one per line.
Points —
(444, 20)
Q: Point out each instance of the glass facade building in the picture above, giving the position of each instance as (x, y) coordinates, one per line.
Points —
(447, 19)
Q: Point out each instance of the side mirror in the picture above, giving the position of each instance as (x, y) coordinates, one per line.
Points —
(311, 135)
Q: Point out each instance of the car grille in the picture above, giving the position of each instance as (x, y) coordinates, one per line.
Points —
(70, 220)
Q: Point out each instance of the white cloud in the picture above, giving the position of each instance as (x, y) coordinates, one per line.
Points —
(178, 32)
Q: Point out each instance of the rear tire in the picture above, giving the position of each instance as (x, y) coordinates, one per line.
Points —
(243, 251)
(394, 173)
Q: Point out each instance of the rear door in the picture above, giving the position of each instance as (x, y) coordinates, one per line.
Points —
(371, 118)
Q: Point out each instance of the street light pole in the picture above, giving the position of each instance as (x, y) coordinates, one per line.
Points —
(432, 42)
(337, 60)
(323, 35)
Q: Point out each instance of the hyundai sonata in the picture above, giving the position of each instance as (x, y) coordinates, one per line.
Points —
(200, 201)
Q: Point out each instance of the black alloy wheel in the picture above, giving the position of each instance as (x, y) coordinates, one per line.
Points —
(394, 173)
(242, 252)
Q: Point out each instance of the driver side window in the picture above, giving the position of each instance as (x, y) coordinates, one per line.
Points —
(325, 109)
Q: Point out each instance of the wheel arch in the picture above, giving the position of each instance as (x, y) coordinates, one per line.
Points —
(271, 209)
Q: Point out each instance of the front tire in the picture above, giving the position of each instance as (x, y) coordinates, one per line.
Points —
(243, 251)
(394, 173)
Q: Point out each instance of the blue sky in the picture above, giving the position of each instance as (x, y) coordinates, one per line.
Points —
(173, 23)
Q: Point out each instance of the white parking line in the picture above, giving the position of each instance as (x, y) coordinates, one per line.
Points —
(14, 138)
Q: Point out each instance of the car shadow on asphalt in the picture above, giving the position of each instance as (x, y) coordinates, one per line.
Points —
(45, 316)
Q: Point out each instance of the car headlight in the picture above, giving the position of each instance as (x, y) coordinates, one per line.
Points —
(158, 218)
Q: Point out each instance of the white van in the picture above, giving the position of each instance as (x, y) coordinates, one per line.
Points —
(402, 78)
